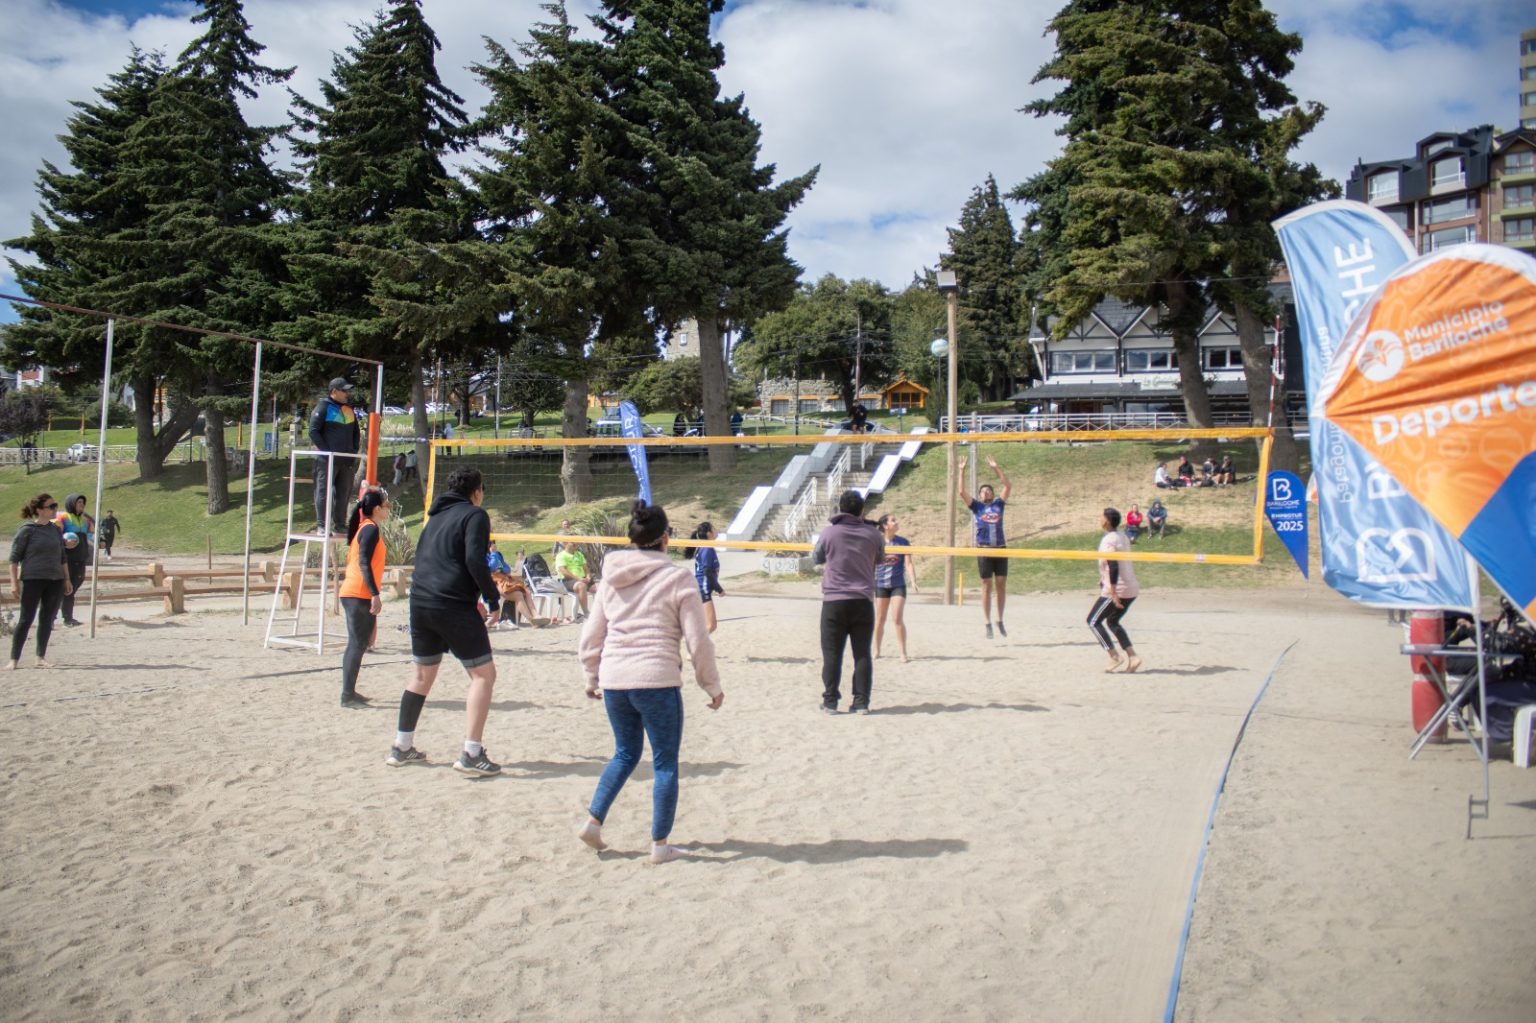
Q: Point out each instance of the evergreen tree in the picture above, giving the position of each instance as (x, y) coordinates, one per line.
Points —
(982, 253)
(702, 219)
(918, 316)
(1178, 124)
(206, 256)
(88, 243)
(372, 153)
(551, 228)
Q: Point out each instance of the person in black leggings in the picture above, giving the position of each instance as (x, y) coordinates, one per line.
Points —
(38, 577)
(359, 593)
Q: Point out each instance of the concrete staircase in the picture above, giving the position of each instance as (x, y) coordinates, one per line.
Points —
(816, 499)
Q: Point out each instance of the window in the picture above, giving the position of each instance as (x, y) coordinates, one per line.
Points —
(1444, 239)
(1528, 123)
(1398, 216)
(1382, 187)
(1520, 229)
(1149, 360)
(1528, 99)
(1519, 196)
(1223, 358)
(1527, 46)
(1450, 209)
(1528, 74)
(1438, 146)
(1521, 161)
(1446, 172)
(1082, 362)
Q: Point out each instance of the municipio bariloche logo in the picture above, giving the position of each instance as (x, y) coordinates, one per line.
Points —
(1381, 357)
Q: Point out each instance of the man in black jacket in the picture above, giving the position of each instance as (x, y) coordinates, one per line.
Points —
(333, 427)
(451, 575)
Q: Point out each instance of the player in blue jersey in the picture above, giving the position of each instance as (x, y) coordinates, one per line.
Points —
(706, 572)
(893, 575)
(987, 512)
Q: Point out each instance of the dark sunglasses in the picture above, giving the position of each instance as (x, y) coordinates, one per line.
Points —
(53, 505)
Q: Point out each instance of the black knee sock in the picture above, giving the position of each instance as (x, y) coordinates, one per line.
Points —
(410, 710)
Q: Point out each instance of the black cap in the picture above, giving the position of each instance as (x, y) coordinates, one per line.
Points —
(341, 384)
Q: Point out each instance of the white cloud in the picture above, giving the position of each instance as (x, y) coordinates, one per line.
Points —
(906, 104)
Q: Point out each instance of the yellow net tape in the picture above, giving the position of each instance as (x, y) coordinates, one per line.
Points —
(808, 440)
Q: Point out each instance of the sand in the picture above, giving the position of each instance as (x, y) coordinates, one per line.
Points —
(193, 830)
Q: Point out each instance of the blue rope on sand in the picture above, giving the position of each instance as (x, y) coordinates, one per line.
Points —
(1205, 842)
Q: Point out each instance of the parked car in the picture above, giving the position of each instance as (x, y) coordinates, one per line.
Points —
(395, 410)
(81, 453)
(615, 428)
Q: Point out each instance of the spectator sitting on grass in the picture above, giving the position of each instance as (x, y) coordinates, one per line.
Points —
(1160, 477)
(1157, 518)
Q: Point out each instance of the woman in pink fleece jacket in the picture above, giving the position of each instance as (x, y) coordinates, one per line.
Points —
(629, 654)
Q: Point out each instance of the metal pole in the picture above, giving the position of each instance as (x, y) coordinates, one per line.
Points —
(250, 488)
(949, 560)
(101, 470)
(1482, 696)
(496, 423)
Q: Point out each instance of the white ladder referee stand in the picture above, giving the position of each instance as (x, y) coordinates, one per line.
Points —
(310, 640)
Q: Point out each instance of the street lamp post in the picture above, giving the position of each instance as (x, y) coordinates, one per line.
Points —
(949, 287)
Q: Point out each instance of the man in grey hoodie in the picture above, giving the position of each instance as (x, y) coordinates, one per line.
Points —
(850, 548)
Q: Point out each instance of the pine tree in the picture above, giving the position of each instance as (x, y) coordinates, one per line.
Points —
(372, 153)
(702, 218)
(88, 244)
(982, 253)
(206, 256)
(546, 192)
(1178, 122)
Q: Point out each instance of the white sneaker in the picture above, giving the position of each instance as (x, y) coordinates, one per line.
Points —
(507, 625)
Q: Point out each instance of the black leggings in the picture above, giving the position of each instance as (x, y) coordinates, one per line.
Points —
(360, 622)
(76, 580)
(1104, 619)
(44, 594)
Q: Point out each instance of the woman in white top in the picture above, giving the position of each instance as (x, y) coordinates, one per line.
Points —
(1117, 591)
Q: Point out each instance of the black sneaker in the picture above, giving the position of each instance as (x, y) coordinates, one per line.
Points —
(73, 623)
(829, 708)
(989, 630)
(480, 766)
(1001, 631)
(405, 757)
(354, 700)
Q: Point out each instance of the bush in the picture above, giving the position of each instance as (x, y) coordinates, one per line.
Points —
(118, 414)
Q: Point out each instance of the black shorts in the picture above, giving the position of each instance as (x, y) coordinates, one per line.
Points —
(886, 592)
(987, 567)
(456, 630)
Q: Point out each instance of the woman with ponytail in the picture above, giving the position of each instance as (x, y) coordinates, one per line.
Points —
(359, 593)
(645, 607)
(39, 580)
(706, 571)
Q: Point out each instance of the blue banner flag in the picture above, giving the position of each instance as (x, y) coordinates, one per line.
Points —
(1379, 546)
(629, 422)
(1285, 505)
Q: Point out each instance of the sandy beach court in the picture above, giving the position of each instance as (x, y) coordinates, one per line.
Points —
(195, 831)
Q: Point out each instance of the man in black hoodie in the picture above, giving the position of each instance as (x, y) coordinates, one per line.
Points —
(333, 426)
(450, 576)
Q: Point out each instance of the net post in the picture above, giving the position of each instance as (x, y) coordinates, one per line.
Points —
(1260, 489)
(101, 470)
(426, 507)
(250, 490)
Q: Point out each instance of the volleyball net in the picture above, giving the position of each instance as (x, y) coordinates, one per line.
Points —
(781, 489)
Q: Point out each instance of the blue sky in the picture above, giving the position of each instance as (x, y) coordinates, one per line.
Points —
(906, 104)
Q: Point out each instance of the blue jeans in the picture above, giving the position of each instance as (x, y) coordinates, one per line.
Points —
(635, 714)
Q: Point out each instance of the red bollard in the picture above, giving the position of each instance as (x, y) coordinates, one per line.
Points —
(1427, 628)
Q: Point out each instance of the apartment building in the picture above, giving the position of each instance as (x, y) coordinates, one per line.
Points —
(1458, 187)
(1528, 79)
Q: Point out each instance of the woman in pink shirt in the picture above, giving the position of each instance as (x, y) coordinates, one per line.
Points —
(1117, 591)
(645, 607)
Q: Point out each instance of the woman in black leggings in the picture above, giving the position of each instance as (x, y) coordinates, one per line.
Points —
(38, 577)
(359, 593)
